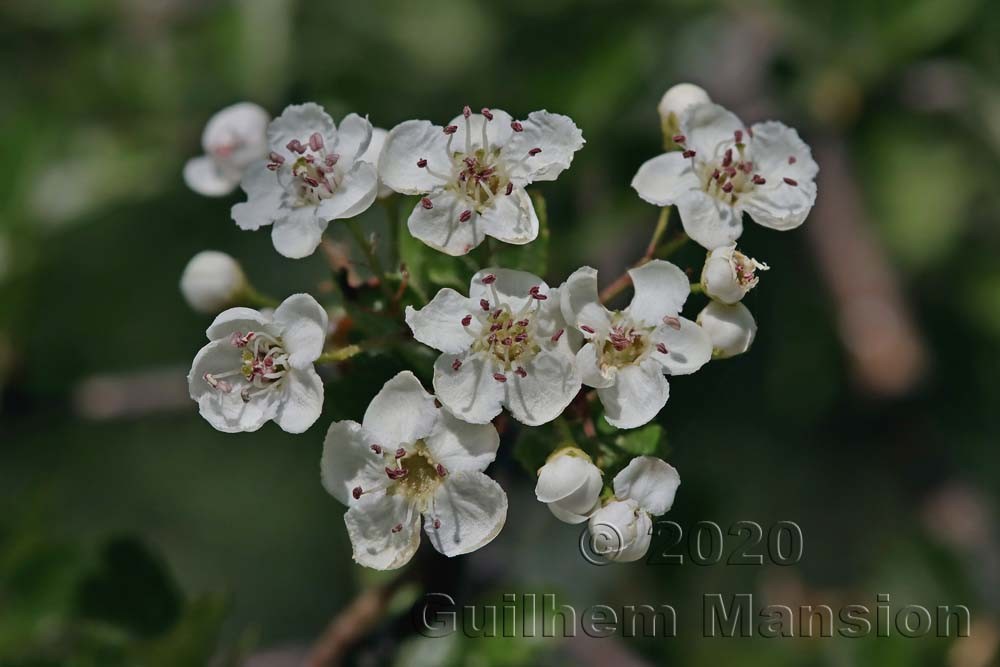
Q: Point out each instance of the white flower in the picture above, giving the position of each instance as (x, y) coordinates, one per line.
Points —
(731, 328)
(314, 174)
(729, 274)
(570, 484)
(233, 139)
(211, 281)
(628, 351)
(257, 367)
(474, 171)
(726, 170)
(371, 156)
(622, 529)
(675, 101)
(504, 346)
(409, 458)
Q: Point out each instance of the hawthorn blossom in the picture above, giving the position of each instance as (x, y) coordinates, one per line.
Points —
(314, 173)
(258, 367)
(729, 274)
(627, 352)
(622, 528)
(410, 457)
(473, 172)
(727, 169)
(504, 345)
(211, 281)
(730, 327)
(569, 484)
(233, 139)
(372, 155)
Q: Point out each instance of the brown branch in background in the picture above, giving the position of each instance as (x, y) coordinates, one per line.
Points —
(352, 624)
(624, 280)
(875, 323)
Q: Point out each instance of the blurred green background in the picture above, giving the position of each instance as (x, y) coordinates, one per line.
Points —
(132, 533)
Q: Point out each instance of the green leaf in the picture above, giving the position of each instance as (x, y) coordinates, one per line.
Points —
(643, 441)
(192, 641)
(532, 257)
(534, 444)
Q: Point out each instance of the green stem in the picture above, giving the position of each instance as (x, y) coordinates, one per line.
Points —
(696, 288)
(251, 297)
(340, 354)
(661, 227)
(371, 257)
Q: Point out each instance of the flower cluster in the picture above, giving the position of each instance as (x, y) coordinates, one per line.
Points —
(511, 342)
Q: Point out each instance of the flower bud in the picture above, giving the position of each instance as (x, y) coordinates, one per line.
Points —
(212, 281)
(730, 327)
(570, 484)
(729, 274)
(620, 531)
(675, 101)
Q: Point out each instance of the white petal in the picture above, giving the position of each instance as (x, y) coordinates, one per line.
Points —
(353, 137)
(401, 413)
(730, 328)
(620, 531)
(348, 461)
(370, 522)
(570, 483)
(580, 303)
(511, 218)
(556, 135)
(708, 221)
(771, 146)
(665, 178)
(688, 348)
(551, 383)
(719, 278)
(301, 400)
(372, 155)
(566, 517)
(407, 143)
(303, 324)
(678, 98)
(590, 369)
(264, 197)
(300, 121)
(232, 320)
(779, 205)
(639, 393)
(472, 509)
(439, 323)
(298, 232)
(512, 287)
(649, 481)
(498, 131)
(458, 445)
(205, 177)
(441, 226)
(660, 291)
(354, 195)
(226, 411)
(709, 130)
(471, 392)
(237, 135)
(211, 281)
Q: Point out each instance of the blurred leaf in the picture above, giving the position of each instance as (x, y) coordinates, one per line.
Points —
(192, 641)
(132, 589)
(643, 441)
(534, 444)
(533, 257)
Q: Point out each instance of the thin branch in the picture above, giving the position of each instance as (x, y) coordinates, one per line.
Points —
(624, 280)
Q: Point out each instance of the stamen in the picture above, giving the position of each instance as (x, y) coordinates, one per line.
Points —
(441, 470)
(672, 322)
(489, 279)
(456, 364)
(534, 151)
(295, 146)
(487, 114)
(679, 138)
(377, 449)
(520, 372)
(396, 474)
(727, 188)
(738, 134)
(661, 348)
(586, 328)
(427, 203)
(421, 163)
(398, 527)
(276, 158)
(316, 141)
(790, 181)
(467, 320)
(450, 129)
(465, 216)
(556, 336)
(484, 304)
(510, 188)
(400, 453)
(791, 159)
(759, 180)
(727, 159)
(356, 492)
(516, 126)
(689, 153)
(499, 377)
(437, 524)
(466, 111)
